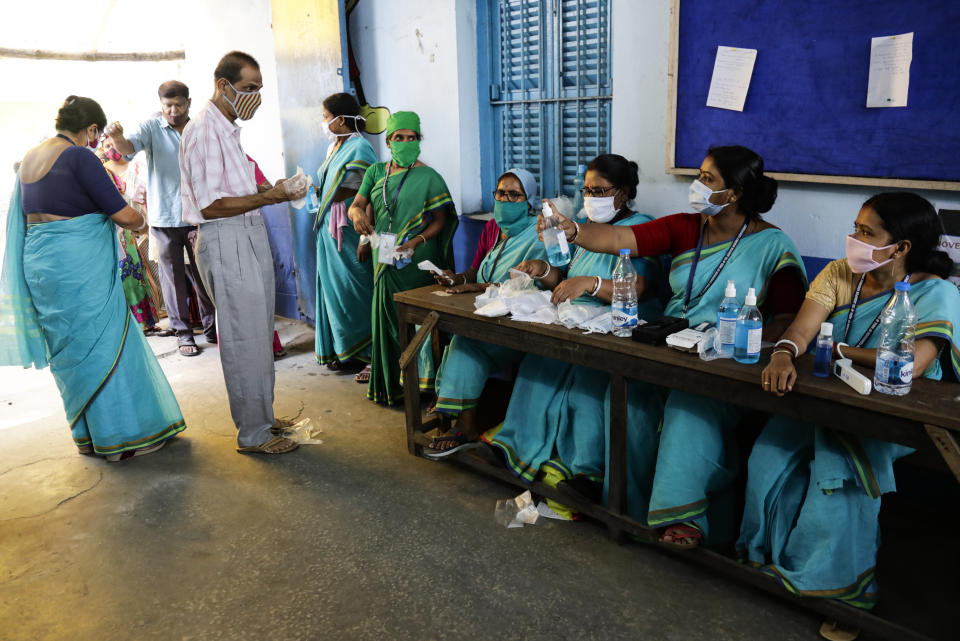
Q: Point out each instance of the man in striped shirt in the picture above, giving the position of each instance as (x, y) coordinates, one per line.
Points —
(221, 196)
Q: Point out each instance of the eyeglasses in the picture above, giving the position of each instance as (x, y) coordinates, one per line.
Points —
(512, 196)
(595, 192)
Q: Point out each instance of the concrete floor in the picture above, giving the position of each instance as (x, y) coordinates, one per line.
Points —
(351, 539)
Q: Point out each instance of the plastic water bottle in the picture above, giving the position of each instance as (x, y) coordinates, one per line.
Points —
(558, 251)
(898, 329)
(624, 306)
(749, 331)
(311, 200)
(824, 353)
(727, 320)
(578, 191)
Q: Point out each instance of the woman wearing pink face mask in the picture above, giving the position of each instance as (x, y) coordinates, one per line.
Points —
(813, 495)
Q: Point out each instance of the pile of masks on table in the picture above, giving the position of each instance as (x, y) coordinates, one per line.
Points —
(520, 298)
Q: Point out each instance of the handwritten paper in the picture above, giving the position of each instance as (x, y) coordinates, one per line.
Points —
(890, 58)
(731, 78)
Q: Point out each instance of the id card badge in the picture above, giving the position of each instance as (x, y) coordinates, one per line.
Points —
(388, 243)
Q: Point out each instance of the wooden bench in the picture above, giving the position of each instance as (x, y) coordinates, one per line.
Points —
(926, 419)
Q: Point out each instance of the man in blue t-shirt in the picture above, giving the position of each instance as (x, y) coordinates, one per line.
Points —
(160, 138)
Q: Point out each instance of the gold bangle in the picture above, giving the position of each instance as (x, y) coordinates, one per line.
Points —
(422, 237)
(782, 351)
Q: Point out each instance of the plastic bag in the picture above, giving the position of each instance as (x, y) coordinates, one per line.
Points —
(491, 294)
(516, 512)
(519, 283)
(571, 315)
(709, 346)
(527, 302)
(304, 433)
(296, 187)
(602, 323)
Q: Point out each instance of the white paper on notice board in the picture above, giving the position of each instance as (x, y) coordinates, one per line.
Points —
(732, 71)
(890, 58)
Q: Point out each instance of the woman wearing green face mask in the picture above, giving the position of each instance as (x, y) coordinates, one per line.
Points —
(409, 207)
(468, 363)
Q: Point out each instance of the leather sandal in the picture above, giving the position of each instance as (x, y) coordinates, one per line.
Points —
(276, 445)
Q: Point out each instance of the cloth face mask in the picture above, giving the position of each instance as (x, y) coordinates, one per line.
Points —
(860, 256)
(244, 104)
(510, 216)
(700, 199)
(599, 210)
(405, 153)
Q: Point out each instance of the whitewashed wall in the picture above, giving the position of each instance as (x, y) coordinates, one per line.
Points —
(421, 55)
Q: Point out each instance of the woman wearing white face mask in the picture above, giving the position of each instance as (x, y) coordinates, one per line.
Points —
(813, 495)
(344, 273)
(557, 419)
(727, 240)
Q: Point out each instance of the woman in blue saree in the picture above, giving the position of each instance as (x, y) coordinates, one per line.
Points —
(468, 363)
(725, 240)
(813, 494)
(559, 413)
(344, 271)
(62, 301)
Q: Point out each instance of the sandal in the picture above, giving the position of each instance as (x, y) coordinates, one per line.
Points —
(681, 532)
(276, 445)
(185, 344)
(363, 376)
(334, 366)
(280, 425)
(113, 458)
(838, 632)
(458, 441)
(166, 332)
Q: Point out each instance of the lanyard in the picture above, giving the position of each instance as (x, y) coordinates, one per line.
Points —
(716, 272)
(496, 259)
(67, 139)
(853, 312)
(395, 196)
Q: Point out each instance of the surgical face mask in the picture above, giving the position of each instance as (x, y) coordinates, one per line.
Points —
(512, 217)
(860, 255)
(600, 209)
(405, 153)
(244, 104)
(332, 135)
(700, 199)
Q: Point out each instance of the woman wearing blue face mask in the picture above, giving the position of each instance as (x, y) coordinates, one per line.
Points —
(813, 494)
(557, 420)
(344, 273)
(467, 363)
(726, 240)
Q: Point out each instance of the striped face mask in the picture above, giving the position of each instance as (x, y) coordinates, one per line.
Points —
(244, 104)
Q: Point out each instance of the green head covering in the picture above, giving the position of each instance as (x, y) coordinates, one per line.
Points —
(403, 120)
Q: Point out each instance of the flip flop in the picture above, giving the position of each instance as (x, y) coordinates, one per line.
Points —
(838, 632)
(682, 531)
(187, 341)
(363, 376)
(461, 443)
(276, 445)
(166, 332)
(113, 458)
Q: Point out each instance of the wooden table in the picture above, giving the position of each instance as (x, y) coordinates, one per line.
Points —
(926, 419)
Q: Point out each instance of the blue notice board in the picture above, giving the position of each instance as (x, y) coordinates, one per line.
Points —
(806, 111)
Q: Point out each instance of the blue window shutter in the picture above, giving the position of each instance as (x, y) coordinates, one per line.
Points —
(549, 74)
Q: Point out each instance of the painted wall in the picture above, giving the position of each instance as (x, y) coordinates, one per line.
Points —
(817, 217)
(215, 27)
(421, 55)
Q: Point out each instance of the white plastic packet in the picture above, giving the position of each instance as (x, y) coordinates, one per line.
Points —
(527, 302)
(491, 294)
(518, 284)
(516, 512)
(493, 309)
(572, 315)
(546, 315)
(304, 433)
(296, 188)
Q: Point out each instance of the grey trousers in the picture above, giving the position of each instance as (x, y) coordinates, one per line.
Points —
(176, 278)
(236, 265)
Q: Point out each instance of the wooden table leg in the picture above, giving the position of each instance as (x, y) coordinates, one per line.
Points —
(947, 446)
(411, 383)
(618, 452)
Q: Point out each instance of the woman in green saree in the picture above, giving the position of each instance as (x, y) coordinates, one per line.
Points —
(407, 205)
(344, 271)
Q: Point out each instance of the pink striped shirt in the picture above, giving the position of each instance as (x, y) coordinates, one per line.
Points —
(213, 165)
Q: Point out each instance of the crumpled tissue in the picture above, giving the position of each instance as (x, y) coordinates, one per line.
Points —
(516, 512)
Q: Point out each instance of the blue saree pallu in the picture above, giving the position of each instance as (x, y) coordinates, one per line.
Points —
(115, 394)
(467, 363)
(344, 284)
(694, 465)
(813, 494)
(558, 417)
